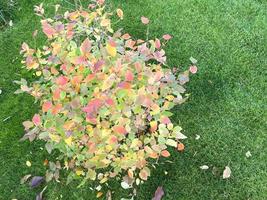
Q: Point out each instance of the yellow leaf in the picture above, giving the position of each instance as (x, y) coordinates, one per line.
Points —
(79, 172)
(120, 13)
(54, 137)
(68, 140)
(169, 97)
(105, 22)
(99, 194)
(155, 109)
(112, 51)
(38, 73)
(28, 163)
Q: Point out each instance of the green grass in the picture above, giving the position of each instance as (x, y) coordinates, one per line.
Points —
(227, 107)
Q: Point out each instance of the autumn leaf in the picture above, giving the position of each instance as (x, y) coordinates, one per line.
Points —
(86, 47)
(167, 37)
(119, 13)
(158, 194)
(157, 43)
(180, 146)
(36, 180)
(62, 80)
(145, 20)
(165, 153)
(193, 69)
(48, 30)
(227, 172)
(111, 49)
(36, 119)
(47, 105)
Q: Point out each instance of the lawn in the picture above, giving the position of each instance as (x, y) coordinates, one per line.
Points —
(227, 105)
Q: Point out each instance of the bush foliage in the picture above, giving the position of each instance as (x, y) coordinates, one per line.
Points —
(105, 97)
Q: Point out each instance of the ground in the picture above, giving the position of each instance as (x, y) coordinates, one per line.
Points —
(227, 105)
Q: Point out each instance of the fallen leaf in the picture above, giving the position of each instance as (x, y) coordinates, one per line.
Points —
(227, 172)
(40, 195)
(193, 60)
(108, 195)
(25, 178)
(125, 185)
(248, 154)
(99, 194)
(158, 194)
(28, 163)
(86, 47)
(204, 167)
(165, 153)
(180, 147)
(36, 120)
(10, 23)
(36, 180)
(193, 69)
(120, 13)
(145, 20)
(167, 37)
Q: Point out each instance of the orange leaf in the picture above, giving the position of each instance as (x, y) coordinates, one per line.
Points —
(119, 129)
(180, 146)
(165, 153)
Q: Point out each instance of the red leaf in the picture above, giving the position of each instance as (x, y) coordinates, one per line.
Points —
(157, 43)
(86, 47)
(36, 120)
(158, 194)
(145, 20)
(47, 106)
(92, 108)
(62, 80)
(48, 29)
(167, 37)
(129, 76)
(193, 69)
(119, 129)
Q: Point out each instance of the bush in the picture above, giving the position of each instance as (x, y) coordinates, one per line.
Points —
(105, 97)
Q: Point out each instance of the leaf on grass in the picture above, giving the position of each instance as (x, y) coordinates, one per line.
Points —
(165, 153)
(248, 154)
(193, 60)
(227, 172)
(180, 146)
(204, 167)
(25, 178)
(108, 195)
(40, 195)
(145, 20)
(36, 180)
(158, 194)
(193, 69)
(120, 13)
(28, 163)
(99, 194)
(125, 185)
(167, 37)
(171, 142)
